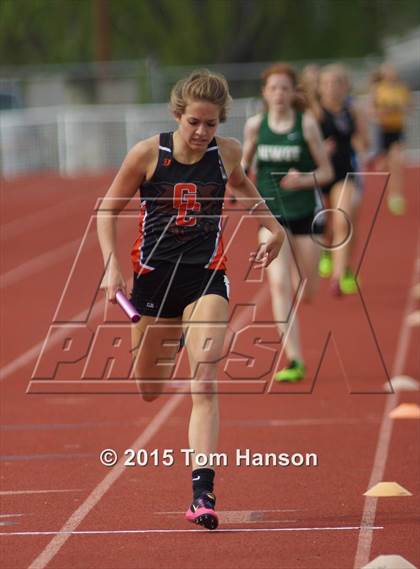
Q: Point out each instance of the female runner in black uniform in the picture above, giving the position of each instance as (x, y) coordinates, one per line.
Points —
(178, 259)
(342, 125)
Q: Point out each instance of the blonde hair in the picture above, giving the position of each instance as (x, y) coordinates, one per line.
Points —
(338, 70)
(201, 85)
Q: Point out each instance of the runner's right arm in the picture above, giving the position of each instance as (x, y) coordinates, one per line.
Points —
(130, 176)
(249, 148)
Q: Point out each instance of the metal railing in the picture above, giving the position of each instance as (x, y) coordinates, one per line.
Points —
(91, 138)
(86, 138)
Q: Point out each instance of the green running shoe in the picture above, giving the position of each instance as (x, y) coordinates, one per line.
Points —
(396, 205)
(325, 265)
(293, 373)
(348, 284)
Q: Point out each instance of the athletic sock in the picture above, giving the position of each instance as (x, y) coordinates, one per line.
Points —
(202, 481)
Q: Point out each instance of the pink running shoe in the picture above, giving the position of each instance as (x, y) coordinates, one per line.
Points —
(202, 512)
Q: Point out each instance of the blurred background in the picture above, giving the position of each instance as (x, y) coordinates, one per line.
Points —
(82, 80)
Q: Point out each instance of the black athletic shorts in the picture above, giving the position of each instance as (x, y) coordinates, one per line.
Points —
(388, 138)
(339, 177)
(169, 288)
(303, 225)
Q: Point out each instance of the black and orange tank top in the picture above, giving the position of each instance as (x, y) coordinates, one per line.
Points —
(181, 211)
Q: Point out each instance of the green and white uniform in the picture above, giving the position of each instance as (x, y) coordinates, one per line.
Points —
(276, 154)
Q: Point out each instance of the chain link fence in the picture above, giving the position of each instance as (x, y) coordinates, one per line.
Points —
(87, 138)
(91, 138)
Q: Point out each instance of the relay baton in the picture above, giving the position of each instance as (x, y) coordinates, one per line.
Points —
(126, 305)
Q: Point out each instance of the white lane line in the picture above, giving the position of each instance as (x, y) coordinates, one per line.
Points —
(364, 542)
(269, 423)
(16, 492)
(405, 332)
(262, 522)
(34, 352)
(21, 360)
(12, 515)
(98, 492)
(51, 456)
(38, 264)
(71, 426)
(31, 222)
(236, 512)
(66, 534)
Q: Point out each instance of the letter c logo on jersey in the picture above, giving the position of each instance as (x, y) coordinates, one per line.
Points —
(185, 200)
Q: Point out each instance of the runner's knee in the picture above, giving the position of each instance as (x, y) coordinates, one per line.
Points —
(203, 393)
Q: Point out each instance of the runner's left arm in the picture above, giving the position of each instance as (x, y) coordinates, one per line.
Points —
(323, 173)
(251, 199)
(361, 135)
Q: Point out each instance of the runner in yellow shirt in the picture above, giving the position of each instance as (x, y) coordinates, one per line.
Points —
(391, 101)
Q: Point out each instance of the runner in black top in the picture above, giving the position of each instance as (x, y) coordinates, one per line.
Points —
(341, 125)
(180, 233)
(182, 219)
(178, 258)
(338, 129)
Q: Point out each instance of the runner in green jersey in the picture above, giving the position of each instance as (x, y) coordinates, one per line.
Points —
(286, 143)
(276, 154)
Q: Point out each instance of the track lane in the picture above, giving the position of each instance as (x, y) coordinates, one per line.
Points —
(329, 398)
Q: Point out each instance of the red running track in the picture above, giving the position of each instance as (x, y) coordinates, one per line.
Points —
(62, 509)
